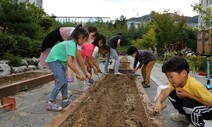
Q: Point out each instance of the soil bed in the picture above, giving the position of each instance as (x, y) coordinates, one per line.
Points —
(7, 80)
(113, 101)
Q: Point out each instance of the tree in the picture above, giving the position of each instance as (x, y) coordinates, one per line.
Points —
(168, 28)
(206, 18)
(148, 40)
(21, 18)
(121, 23)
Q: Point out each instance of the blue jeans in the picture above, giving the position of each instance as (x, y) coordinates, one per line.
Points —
(117, 60)
(61, 82)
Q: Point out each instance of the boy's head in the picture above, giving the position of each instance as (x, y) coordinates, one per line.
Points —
(132, 50)
(175, 64)
(104, 50)
(100, 40)
(176, 70)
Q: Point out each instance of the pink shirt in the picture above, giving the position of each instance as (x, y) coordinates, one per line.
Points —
(87, 50)
(65, 32)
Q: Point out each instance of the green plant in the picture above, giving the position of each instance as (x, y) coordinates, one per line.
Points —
(195, 63)
(14, 60)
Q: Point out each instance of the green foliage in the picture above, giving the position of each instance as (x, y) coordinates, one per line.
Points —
(123, 49)
(7, 44)
(148, 40)
(47, 22)
(190, 37)
(14, 60)
(121, 23)
(20, 18)
(205, 15)
(23, 26)
(195, 63)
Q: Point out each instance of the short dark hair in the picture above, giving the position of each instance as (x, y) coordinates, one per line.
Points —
(92, 29)
(131, 50)
(106, 47)
(98, 38)
(175, 64)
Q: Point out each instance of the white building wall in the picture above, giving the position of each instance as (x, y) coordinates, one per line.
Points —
(38, 3)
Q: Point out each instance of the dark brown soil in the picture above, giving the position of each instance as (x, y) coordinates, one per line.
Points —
(113, 101)
(7, 80)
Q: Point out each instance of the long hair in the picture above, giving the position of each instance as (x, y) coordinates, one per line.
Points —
(79, 30)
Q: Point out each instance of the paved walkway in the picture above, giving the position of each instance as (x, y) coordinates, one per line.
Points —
(31, 111)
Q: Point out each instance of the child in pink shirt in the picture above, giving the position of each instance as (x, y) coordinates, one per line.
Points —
(88, 49)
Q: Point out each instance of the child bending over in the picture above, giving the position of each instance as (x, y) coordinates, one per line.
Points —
(61, 55)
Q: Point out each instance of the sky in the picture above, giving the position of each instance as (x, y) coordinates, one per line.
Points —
(115, 8)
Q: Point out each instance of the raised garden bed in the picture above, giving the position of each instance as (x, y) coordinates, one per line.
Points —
(114, 101)
(10, 85)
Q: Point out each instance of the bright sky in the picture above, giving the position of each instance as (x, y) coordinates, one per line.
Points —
(116, 8)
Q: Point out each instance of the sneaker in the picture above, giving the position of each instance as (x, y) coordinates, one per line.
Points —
(191, 125)
(66, 102)
(178, 117)
(51, 106)
(142, 82)
(145, 85)
(208, 123)
(118, 73)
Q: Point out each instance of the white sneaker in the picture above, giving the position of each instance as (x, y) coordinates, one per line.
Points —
(191, 125)
(178, 117)
(208, 123)
(118, 73)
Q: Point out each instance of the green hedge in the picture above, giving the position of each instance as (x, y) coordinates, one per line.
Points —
(18, 46)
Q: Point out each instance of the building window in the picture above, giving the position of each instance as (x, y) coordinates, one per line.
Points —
(208, 2)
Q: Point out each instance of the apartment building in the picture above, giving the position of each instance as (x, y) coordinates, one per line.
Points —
(38, 3)
(204, 39)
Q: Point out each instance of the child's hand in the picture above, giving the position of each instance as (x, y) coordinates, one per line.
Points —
(99, 71)
(157, 108)
(81, 77)
(182, 94)
(134, 70)
(95, 71)
(88, 75)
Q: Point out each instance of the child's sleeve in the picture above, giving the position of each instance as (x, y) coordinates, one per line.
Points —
(71, 48)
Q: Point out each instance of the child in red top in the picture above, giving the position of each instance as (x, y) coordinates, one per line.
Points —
(88, 49)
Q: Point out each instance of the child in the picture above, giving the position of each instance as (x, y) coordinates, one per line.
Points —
(147, 61)
(88, 49)
(58, 35)
(98, 52)
(114, 43)
(61, 55)
(92, 33)
(192, 100)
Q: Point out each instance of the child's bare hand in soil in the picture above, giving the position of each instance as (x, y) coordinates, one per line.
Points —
(81, 77)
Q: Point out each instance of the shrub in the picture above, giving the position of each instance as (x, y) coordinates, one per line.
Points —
(14, 60)
(7, 44)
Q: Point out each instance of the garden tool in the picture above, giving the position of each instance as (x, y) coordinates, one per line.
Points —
(8, 103)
